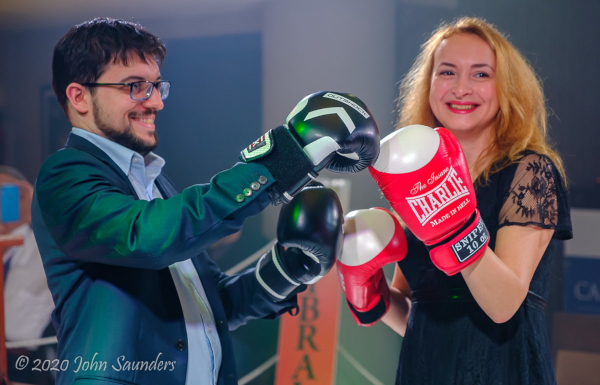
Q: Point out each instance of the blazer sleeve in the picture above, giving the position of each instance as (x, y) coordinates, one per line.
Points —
(88, 209)
(242, 296)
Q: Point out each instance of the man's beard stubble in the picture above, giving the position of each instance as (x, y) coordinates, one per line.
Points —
(126, 138)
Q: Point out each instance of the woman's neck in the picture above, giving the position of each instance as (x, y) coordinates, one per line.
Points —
(473, 146)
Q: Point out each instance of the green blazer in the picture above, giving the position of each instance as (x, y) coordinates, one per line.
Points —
(106, 255)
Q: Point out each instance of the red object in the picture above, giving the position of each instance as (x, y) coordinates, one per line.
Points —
(360, 267)
(436, 201)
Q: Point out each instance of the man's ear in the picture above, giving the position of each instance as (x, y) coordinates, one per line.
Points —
(80, 98)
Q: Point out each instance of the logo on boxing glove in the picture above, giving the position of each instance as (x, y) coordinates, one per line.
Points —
(260, 147)
(471, 243)
(340, 98)
(450, 189)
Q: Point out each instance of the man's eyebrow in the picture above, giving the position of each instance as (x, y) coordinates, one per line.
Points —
(133, 78)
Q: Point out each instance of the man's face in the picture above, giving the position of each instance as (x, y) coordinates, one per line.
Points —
(124, 120)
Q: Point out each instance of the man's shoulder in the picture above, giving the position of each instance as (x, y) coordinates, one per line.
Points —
(76, 148)
(67, 152)
(68, 157)
(72, 164)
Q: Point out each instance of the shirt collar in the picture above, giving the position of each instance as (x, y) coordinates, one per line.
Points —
(121, 155)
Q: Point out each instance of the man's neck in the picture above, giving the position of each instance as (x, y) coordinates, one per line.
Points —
(82, 121)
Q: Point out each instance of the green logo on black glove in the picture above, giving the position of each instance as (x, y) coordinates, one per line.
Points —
(262, 146)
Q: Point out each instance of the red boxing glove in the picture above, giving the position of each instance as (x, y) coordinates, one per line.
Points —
(373, 238)
(424, 175)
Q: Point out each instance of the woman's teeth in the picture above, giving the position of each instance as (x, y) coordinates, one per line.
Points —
(462, 106)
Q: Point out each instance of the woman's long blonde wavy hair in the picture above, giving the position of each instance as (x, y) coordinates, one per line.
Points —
(521, 121)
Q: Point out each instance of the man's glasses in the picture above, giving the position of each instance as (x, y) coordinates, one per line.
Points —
(140, 90)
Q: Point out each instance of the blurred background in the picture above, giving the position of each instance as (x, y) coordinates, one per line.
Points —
(238, 67)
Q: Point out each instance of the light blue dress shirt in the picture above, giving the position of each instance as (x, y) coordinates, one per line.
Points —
(204, 346)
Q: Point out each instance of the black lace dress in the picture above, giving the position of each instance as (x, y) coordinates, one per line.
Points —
(449, 339)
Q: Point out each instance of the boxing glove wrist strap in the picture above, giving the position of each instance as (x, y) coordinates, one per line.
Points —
(462, 248)
(285, 159)
(273, 277)
(369, 317)
(375, 310)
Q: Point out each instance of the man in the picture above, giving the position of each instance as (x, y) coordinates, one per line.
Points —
(138, 300)
(27, 300)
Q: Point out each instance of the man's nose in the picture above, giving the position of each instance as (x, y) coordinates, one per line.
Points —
(154, 101)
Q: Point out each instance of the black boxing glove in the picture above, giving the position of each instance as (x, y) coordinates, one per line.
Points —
(309, 240)
(325, 129)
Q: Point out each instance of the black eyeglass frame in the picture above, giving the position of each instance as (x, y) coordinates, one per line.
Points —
(130, 85)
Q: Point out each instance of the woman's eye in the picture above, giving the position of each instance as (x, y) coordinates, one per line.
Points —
(446, 73)
(481, 75)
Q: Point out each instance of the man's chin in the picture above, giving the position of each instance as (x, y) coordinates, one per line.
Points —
(147, 146)
(138, 145)
(149, 143)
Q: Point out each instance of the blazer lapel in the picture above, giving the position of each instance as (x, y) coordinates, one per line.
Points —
(165, 186)
(79, 143)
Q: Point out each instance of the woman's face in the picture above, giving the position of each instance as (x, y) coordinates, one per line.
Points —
(463, 87)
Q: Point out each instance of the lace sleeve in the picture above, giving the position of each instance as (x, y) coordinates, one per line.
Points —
(533, 195)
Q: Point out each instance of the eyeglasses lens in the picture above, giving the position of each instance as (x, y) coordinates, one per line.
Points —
(164, 88)
(143, 90)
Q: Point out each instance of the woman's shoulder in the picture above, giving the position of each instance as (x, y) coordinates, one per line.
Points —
(535, 159)
(534, 167)
(526, 158)
(535, 189)
(527, 163)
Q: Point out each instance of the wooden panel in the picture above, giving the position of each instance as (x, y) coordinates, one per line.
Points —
(578, 332)
(579, 368)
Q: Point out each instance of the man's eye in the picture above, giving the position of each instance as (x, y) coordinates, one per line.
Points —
(135, 86)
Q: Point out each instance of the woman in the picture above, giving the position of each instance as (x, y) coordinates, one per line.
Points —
(485, 325)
